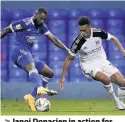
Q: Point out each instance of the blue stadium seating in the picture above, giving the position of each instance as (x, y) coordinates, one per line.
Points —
(3, 75)
(57, 14)
(114, 30)
(55, 26)
(76, 13)
(5, 15)
(115, 13)
(96, 23)
(4, 23)
(118, 63)
(73, 26)
(57, 55)
(19, 14)
(64, 25)
(112, 47)
(56, 64)
(54, 48)
(122, 70)
(17, 75)
(115, 23)
(115, 55)
(79, 79)
(96, 13)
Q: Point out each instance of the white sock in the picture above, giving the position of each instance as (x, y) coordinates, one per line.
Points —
(121, 94)
(45, 80)
(110, 90)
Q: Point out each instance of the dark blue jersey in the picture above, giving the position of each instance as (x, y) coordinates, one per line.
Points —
(26, 32)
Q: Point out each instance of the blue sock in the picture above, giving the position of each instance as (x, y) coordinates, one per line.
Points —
(34, 92)
(44, 83)
(34, 77)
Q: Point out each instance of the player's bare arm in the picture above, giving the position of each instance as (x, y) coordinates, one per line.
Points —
(5, 31)
(57, 42)
(65, 69)
(118, 44)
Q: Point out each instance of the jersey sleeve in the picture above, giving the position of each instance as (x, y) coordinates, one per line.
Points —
(102, 34)
(18, 26)
(77, 44)
(106, 35)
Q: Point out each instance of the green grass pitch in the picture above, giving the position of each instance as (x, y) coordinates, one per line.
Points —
(63, 107)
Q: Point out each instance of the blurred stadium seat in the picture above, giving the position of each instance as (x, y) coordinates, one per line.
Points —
(96, 13)
(19, 14)
(76, 13)
(64, 25)
(115, 31)
(96, 23)
(115, 13)
(57, 14)
(115, 23)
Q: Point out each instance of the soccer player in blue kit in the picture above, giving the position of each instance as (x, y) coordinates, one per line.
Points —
(26, 31)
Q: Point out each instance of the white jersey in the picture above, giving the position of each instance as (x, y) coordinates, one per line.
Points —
(90, 49)
(92, 55)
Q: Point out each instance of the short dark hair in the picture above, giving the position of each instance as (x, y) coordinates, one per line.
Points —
(42, 10)
(84, 20)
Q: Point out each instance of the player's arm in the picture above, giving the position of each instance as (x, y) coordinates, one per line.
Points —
(118, 44)
(108, 36)
(75, 47)
(65, 69)
(57, 42)
(5, 31)
(14, 27)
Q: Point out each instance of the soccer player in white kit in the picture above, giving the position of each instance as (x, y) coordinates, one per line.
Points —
(93, 60)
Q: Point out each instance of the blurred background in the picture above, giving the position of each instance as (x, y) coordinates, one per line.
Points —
(62, 22)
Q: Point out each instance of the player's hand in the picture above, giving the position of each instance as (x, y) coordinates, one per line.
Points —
(61, 84)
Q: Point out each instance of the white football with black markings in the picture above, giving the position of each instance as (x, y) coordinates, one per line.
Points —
(42, 105)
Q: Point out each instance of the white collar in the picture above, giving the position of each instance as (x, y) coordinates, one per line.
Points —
(91, 33)
(32, 21)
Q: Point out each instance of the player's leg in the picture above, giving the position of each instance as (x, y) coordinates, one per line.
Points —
(46, 75)
(24, 60)
(45, 72)
(109, 69)
(101, 74)
(102, 77)
(118, 79)
(98, 75)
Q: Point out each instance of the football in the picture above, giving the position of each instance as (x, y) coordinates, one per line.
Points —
(42, 105)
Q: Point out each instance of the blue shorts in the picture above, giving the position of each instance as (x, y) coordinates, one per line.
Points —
(23, 57)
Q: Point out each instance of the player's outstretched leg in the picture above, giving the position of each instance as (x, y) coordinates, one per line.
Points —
(109, 88)
(118, 79)
(121, 94)
(46, 74)
(34, 77)
(38, 89)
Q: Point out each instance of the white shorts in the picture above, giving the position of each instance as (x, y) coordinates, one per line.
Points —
(90, 69)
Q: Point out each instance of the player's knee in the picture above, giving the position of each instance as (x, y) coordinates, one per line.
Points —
(51, 74)
(34, 70)
(105, 79)
(122, 83)
(30, 67)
